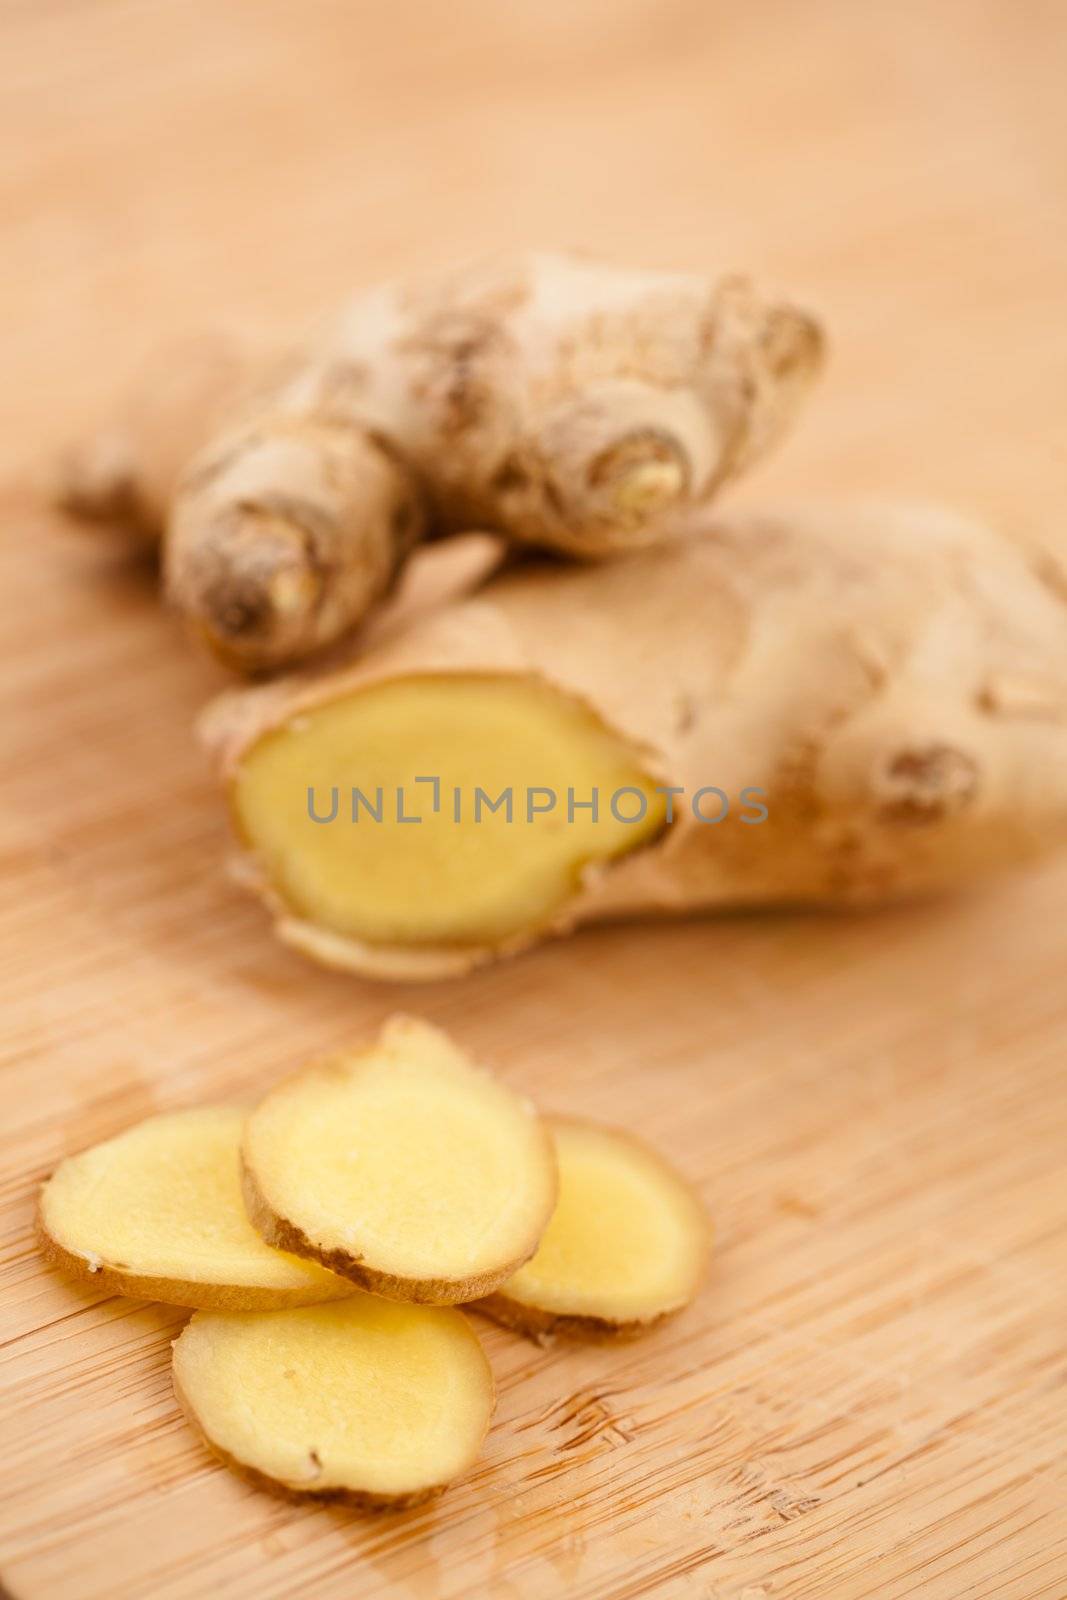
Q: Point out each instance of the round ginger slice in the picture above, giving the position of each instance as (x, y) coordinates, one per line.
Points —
(156, 1213)
(363, 1401)
(403, 1167)
(627, 1244)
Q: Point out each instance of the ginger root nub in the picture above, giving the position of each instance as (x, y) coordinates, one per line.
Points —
(286, 532)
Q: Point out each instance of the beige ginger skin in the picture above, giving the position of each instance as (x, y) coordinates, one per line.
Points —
(564, 403)
(893, 678)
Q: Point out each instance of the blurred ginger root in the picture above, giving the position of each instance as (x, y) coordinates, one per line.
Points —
(560, 402)
(810, 706)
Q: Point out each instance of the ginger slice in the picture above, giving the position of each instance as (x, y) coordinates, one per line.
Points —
(627, 1243)
(156, 1213)
(403, 1167)
(364, 1401)
(428, 810)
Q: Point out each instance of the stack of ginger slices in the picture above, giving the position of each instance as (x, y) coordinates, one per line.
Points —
(325, 1239)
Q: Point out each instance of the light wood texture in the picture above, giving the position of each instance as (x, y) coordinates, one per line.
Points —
(868, 1401)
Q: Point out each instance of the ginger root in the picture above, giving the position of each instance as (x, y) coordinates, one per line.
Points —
(156, 1213)
(402, 1167)
(365, 1402)
(563, 403)
(877, 694)
(627, 1244)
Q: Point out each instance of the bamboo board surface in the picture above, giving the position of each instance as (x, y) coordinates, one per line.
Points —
(869, 1400)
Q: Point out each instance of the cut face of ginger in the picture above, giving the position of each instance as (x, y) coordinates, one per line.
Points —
(363, 1401)
(475, 879)
(402, 1166)
(627, 1243)
(157, 1213)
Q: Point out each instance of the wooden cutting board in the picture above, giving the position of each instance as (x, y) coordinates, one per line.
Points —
(868, 1402)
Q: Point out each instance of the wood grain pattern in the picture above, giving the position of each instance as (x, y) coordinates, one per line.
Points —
(869, 1401)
